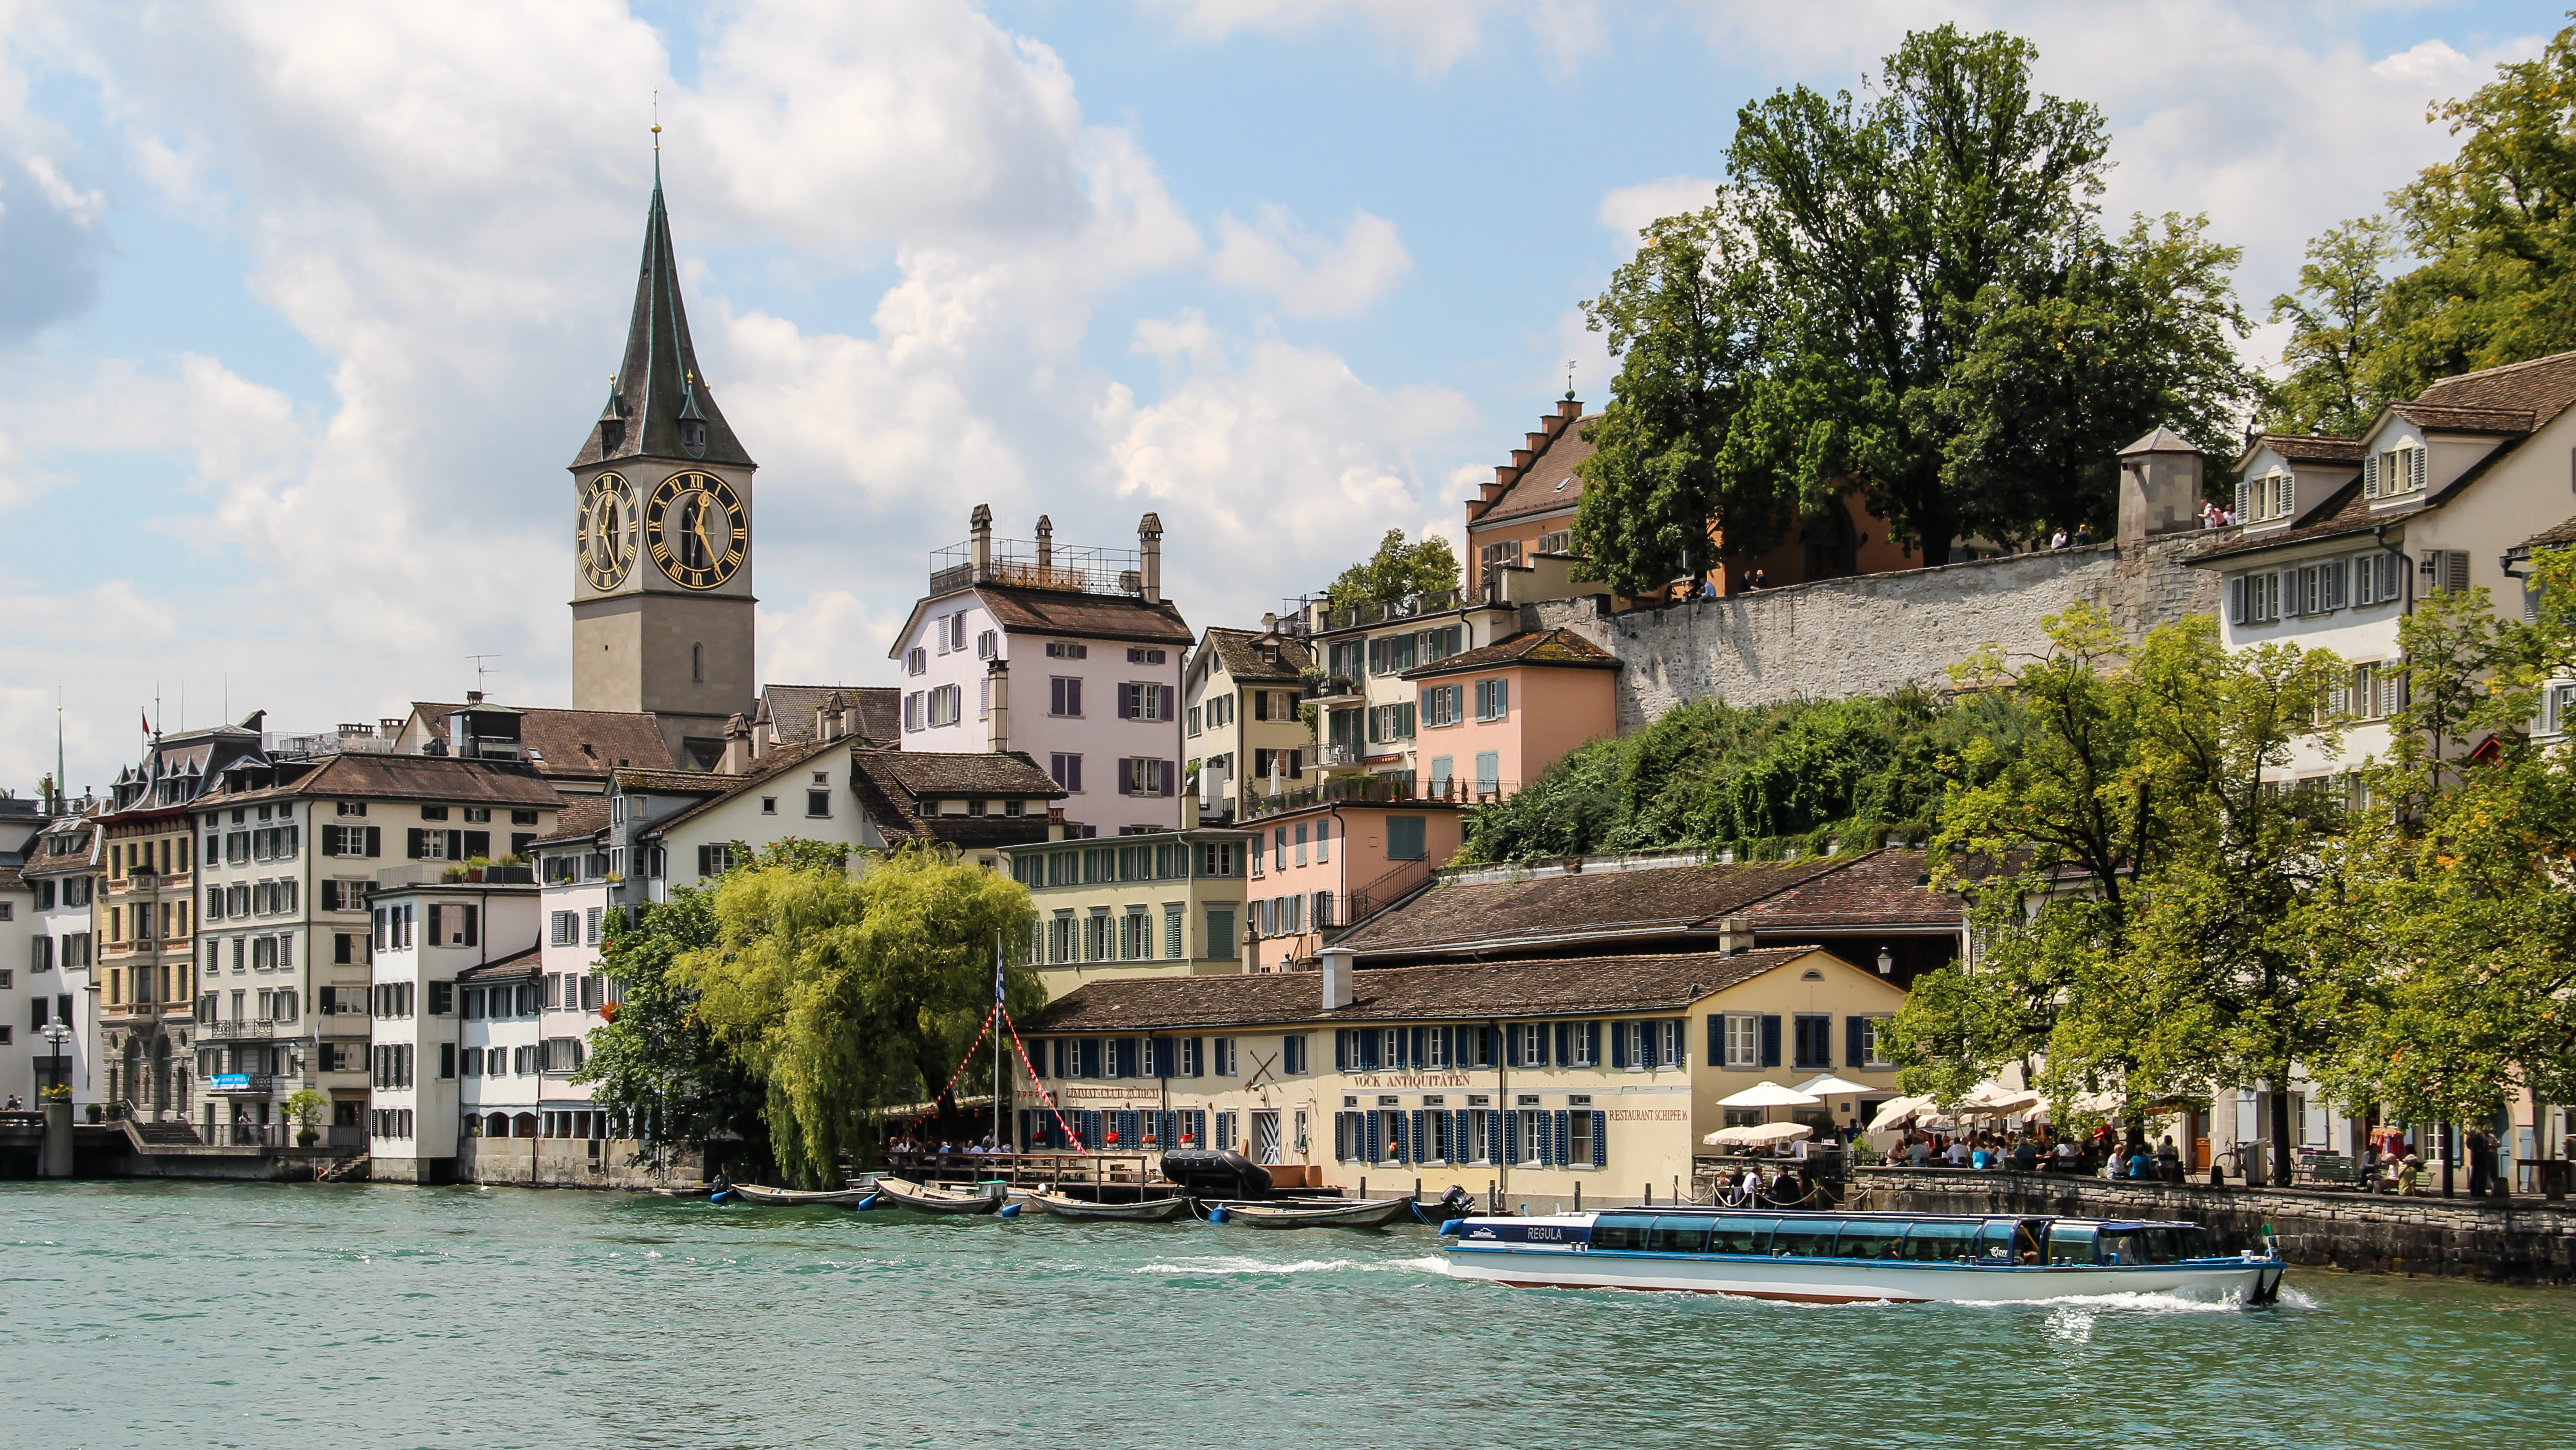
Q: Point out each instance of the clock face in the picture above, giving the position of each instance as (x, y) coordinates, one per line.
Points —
(695, 528)
(605, 538)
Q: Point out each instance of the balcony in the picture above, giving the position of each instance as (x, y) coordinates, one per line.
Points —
(1039, 564)
(1401, 789)
(221, 1031)
(1386, 611)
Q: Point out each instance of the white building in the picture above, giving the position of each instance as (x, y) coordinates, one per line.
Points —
(27, 977)
(1070, 656)
(426, 932)
(61, 871)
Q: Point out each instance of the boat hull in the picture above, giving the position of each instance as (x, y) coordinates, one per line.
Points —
(1155, 1211)
(1363, 1214)
(901, 1193)
(799, 1198)
(1827, 1281)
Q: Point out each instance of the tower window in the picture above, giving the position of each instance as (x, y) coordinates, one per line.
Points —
(698, 663)
(693, 436)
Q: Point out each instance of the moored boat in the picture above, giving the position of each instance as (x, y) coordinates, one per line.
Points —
(801, 1198)
(1152, 1210)
(927, 1198)
(1833, 1258)
(1316, 1213)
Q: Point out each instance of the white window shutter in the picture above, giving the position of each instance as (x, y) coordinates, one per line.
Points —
(2288, 483)
(2235, 614)
(2244, 499)
(2419, 461)
(2370, 476)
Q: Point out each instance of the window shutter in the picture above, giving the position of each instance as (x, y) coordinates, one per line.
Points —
(1369, 1137)
(1543, 1140)
(1511, 1047)
(456, 845)
(1564, 1138)
(2455, 569)
(1600, 1138)
(1498, 1146)
(1855, 1040)
(2370, 476)
(1126, 701)
(1564, 1043)
(1717, 1039)
(1341, 1137)
(1771, 1040)
(1413, 1046)
(414, 843)
(2244, 499)
(1618, 1045)
(1341, 1049)
(2418, 459)
(1163, 776)
(2288, 486)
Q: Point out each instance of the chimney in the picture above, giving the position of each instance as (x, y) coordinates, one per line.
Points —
(850, 718)
(1269, 624)
(1212, 781)
(1149, 549)
(737, 747)
(829, 715)
(1338, 965)
(1734, 937)
(1046, 550)
(979, 530)
(998, 717)
(474, 697)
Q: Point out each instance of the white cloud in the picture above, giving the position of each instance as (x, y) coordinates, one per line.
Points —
(833, 637)
(1310, 276)
(1627, 209)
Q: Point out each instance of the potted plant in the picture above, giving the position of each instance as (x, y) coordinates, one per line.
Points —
(305, 1107)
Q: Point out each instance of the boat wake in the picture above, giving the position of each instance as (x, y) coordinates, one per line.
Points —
(2149, 1303)
(1229, 1264)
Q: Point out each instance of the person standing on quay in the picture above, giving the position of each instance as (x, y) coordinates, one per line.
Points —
(2479, 1150)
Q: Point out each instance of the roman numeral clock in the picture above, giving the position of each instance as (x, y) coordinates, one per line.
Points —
(696, 530)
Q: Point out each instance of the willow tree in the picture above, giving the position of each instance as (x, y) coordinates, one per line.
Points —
(846, 996)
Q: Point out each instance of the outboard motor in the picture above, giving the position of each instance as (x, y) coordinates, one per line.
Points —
(1216, 1175)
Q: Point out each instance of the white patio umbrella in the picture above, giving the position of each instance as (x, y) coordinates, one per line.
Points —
(2101, 1102)
(1896, 1112)
(1999, 1105)
(1768, 1095)
(1829, 1086)
(1758, 1135)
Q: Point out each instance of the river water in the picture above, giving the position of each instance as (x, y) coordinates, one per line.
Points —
(206, 1315)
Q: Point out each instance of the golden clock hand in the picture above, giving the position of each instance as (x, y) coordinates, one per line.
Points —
(698, 526)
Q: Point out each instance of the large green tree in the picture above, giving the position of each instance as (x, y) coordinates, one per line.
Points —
(2337, 364)
(1908, 295)
(2139, 873)
(846, 996)
(1400, 568)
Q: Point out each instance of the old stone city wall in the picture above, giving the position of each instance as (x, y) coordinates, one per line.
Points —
(1875, 632)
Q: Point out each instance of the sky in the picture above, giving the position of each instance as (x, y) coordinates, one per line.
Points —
(305, 308)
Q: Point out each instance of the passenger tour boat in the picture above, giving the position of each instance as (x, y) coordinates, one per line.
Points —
(1833, 1258)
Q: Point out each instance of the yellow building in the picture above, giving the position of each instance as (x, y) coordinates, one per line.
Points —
(1154, 904)
(1536, 1080)
(1241, 722)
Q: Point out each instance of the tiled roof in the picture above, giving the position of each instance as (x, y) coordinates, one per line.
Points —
(1459, 916)
(10, 880)
(1557, 987)
(2308, 448)
(2161, 439)
(792, 709)
(573, 742)
(1549, 482)
(1242, 652)
(582, 817)
(410, 777)
(2553, 536)
(1885, 888)
(893, 784)
(516, 964)
(659, 384)
(1561, 647)
(1076, 615)
(2543, 387)
(2347, 512)
(675, 782)
(719, 789)
(2466, 420)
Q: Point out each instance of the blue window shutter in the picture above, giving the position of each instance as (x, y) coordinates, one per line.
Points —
(1600, 1138)
(1618, 1044)
(1564, 1042)
(1088, 1123)
(1421, 1131)
(1646, 1051)
(1369, 1127)
(1341, 1049)
(1341, 1137)
(1418, 1043)
(1565, 1138)
(1127, 1131)
(1504, 1149)
(1771, 1039)
(1855, 1048)
(1511, 1047)
(1716, 1039)
(1546, 1141)
(1824, 1031)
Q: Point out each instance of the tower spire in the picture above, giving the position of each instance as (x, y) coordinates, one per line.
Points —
(660, 407)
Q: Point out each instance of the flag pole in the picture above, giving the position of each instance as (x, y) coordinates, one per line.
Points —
(997, 1043)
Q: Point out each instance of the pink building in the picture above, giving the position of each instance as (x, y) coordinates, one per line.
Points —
(1322, 867)
(1490, 720)
(1068, 655)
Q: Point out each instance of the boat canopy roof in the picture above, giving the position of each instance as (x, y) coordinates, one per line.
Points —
(1694, 1210)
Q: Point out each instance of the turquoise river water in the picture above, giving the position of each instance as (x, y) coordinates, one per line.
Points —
(204, 1315)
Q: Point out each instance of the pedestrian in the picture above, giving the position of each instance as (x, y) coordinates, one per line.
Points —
(13, 1103)
(2479, 1149)
(2058, 540)
(2084, 536)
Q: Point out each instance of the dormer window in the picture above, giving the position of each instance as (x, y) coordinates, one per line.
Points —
(2396, 471)
(693, 437)
(2268, 497)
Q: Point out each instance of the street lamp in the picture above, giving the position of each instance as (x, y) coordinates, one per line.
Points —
(56, 1034)
(1886, 962)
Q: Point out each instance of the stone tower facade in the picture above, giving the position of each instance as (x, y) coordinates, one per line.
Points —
(662, 608)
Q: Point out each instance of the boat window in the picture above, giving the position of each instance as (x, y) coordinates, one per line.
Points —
(1679, 1235)
(1620, 1231)
(1798, 1238)
(1869, 1240)
(2123, 1246)
(2194, 1243)
(2158, 1245)
(1741, 1236)
(2070, 1243)
(1941, 1243)
(1995, 1242)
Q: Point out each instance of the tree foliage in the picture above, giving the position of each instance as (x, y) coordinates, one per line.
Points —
(1909, 295)
(2335, 382)
(1397, 570)
(847, 996)
(1755, 779)
(2139, 873)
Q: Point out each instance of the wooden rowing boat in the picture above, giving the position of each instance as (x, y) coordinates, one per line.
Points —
(1327, 1213)
(1152, 1210)
(801, 1198)
(925, 1198)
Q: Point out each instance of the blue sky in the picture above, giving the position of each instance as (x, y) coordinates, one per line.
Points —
(303, 309)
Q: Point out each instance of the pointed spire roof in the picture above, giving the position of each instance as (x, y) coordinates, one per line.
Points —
(659, 386)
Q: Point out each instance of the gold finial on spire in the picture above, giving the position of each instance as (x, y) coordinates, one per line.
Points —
(657, 120)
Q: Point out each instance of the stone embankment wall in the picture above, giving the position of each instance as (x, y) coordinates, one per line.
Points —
(2517, 1241)
(1875, 632)
(565, 1163)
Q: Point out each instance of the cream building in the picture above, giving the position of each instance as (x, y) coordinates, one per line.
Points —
(1532, 1080)
(1169, 904)
(1242, 725)
(426, 933)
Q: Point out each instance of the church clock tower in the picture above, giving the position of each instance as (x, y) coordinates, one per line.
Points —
(662, 605)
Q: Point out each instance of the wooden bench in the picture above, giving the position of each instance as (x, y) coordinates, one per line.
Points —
(2330, 1170)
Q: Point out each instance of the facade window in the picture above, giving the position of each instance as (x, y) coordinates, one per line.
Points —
(916, 660)
(818, 802)
(1405, 838)
(1067, 771)
(1064, 696)
(1440, 705)
(1221, 943)
(1493, 699)
(945, 704)
(1388, 724)
(1173, 914)
(1061, 649)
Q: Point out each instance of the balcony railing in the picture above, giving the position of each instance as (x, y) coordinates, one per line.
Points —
(1039, 564)
(1384, 790)
(1382, 611)
(222, 1031)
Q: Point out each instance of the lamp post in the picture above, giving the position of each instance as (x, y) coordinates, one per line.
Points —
(56, 1034)
(1886, 962)
(54, 1159)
